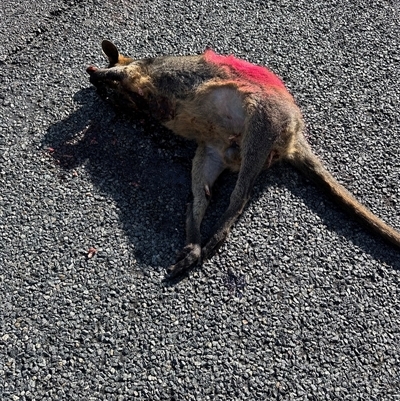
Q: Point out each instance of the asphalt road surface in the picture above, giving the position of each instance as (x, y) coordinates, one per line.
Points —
(301, 303)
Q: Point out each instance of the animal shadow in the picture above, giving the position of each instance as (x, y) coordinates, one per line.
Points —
(135, 162)
(145, 169)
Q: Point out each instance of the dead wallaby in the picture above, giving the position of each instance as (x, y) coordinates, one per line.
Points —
(242, 118)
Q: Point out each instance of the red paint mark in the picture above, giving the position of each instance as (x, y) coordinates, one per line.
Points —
(255, 73)
(91, 252)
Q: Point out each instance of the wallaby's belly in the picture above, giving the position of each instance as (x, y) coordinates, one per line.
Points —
(216, 114)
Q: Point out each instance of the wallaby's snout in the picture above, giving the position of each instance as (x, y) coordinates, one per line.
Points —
(105, 76)
(94, 78)
(91, 69)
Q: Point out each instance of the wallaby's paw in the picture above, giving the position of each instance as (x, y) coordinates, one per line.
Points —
(187, 258)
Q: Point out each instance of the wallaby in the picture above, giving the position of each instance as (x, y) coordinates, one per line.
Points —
(242, 118)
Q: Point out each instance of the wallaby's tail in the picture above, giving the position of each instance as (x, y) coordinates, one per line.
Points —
(304, 159)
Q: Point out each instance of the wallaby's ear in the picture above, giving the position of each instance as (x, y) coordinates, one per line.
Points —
(110, 51)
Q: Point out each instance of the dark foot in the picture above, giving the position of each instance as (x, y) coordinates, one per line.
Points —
(190, 256)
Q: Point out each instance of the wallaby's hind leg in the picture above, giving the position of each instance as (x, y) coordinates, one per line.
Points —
(207, 166)
(256, 146)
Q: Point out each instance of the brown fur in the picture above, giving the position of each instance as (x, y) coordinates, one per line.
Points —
(238, 123)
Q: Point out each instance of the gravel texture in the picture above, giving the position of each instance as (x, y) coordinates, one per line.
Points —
(301, 303)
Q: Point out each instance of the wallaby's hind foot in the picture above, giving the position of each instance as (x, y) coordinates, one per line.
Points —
(186, 259)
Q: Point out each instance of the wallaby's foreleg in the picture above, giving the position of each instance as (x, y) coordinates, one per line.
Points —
(256, 146)
(207, 166)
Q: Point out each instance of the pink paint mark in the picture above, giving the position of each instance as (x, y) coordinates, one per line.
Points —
(255, 73)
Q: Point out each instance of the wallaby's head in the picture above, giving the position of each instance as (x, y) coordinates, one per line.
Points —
(115, 59)
(123, 75)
